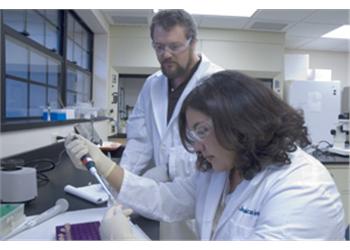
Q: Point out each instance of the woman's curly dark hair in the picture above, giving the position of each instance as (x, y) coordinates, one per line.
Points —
(249, 119)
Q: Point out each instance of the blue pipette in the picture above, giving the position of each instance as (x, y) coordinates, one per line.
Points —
(90, 165)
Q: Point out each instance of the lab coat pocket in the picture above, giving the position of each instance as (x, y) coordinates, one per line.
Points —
(181, 163)
(240, 231)
(241, 226)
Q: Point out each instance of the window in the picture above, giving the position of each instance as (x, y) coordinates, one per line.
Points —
(77, 87)
(78, 64)
(78, 44)
(30, 75)
(47, 57)
(40, 26)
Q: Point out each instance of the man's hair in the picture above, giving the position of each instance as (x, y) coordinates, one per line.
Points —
(167, 19)
(249, 119)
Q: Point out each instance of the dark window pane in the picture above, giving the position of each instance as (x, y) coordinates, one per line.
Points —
(35, 27)
(85, 62)
(70, 27)
(37, 67)
(16, 59)
(80, 98)
(70, 50)
(53, 72)
(78, 36)
(51, 38)
(83, 87)
(71, 80)
(77, 55)
(37, 100)
(85, 42)
(71, 98)
(80, 82)
(15, 19)
(53, 98)
(16, 99)
(52, 15)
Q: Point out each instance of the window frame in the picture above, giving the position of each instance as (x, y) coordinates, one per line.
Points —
(18, 123)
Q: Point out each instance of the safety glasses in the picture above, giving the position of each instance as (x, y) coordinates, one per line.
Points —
(174, 48)
(199, 132)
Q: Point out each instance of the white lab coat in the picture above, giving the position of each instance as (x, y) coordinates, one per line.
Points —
(151, 141)
(294, 202)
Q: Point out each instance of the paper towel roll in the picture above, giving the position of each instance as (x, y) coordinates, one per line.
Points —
(18, 185)
(93, 193)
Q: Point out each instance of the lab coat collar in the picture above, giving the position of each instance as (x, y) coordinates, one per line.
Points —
(159, 97)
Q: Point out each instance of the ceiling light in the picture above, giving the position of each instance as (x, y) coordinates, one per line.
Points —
(215, 11)
(342, 32)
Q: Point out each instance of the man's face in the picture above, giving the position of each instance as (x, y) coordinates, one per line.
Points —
(174, 51)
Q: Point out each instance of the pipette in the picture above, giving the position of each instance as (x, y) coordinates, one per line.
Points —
(90, 165)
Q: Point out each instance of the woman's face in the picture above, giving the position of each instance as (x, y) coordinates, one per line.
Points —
(201, 132)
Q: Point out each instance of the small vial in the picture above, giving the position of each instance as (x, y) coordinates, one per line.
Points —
(48, 113)
(67, 227)
(61, 237)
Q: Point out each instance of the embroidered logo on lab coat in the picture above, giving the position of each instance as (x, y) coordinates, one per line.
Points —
(249, 211)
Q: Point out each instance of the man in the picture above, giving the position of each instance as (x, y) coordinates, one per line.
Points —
(153, 143)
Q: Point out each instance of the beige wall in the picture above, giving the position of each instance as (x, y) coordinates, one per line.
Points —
(257, 53)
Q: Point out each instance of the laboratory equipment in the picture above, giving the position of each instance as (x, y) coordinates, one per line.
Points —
(90, 165)
(341, 136)
(60, 207)
(18, 183)
(320, 104)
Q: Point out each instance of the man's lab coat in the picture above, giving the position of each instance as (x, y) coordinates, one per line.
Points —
(299, 201)
(151, 141)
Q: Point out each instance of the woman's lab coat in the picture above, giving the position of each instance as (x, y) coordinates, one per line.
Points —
(296, 201)
(153, 142)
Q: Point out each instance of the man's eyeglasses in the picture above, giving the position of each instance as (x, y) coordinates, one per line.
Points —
(173, 48)
(199, 132)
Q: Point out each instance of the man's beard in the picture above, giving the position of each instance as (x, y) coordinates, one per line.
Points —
(178, 71)
(174, 72)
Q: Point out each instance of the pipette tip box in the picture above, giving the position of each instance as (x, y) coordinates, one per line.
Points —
(11, 215)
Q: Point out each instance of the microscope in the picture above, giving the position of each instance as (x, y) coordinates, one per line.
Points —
(341, 136)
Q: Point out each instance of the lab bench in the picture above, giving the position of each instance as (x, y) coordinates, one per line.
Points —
(65, 173)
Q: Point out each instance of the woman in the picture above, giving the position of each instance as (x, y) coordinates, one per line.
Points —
(253, 182)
